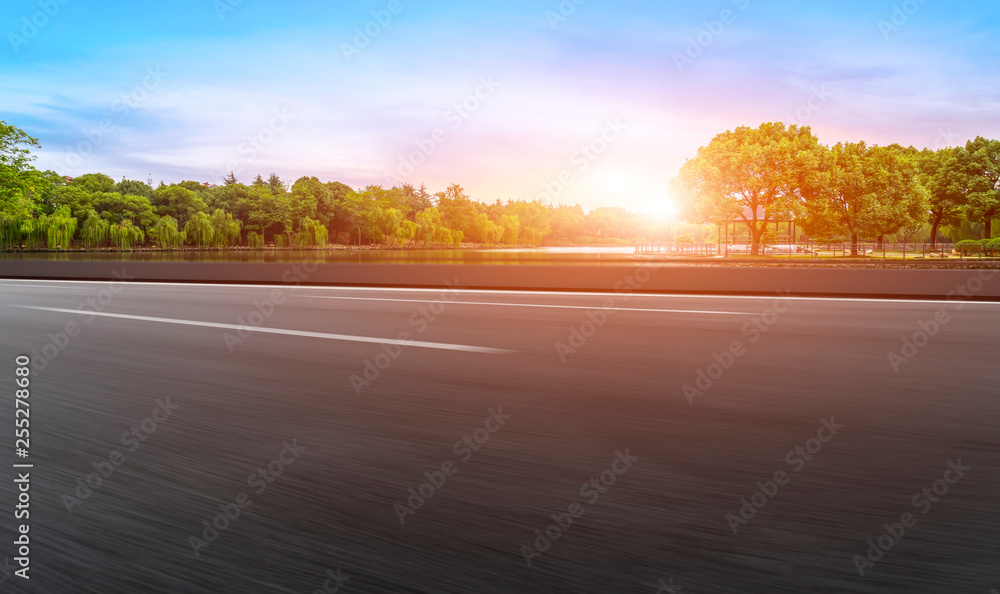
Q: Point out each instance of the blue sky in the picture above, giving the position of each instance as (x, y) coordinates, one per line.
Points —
(190, 89)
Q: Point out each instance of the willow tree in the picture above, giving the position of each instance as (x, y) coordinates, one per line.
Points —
(227, 229)
(255, 240)
(167, 233)
(311, 233)
(489, 232)
(125, 235)
(58, 228)
(428, 222)
(511, 225)
(753, 175)
(95, 230)
(406, 233)
(200, 230)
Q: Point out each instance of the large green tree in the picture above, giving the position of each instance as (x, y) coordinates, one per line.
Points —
(865, 190)
(983, 181)
(178, 202)
(942, 175)
(94, 182)
(753, 175)
(19, 181)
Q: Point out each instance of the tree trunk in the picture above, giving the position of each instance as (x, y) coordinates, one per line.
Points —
(934, 228)
(854, 244)
(988, 229)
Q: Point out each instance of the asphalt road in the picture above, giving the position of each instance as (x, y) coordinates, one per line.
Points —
(184, 410)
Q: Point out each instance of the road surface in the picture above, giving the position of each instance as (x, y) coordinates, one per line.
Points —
(309, 421)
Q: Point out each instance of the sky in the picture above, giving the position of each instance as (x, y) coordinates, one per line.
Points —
(584, 102)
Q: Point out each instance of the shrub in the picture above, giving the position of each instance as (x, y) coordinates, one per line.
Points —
(969, 246)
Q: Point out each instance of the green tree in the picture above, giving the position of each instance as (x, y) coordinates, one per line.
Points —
(535, 220)
(309, 195)
(167, 234)
(754, 175)
(79, 201)
(276, 184)
(95, 231)
(131, 187)
(567, 222)
(983, 182)
(19, 181)
(865, 190)
(200, 230)
(114, 206)
(126, 235)
(227, 230)
(941, 173)
(268, 213)
(94, 182)
(458, 211)
(178, 202)
(58, 227)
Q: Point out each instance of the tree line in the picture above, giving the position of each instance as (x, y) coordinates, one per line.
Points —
(44, 209)
(757, 176)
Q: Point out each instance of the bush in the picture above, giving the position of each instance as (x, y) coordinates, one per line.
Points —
(969, 246)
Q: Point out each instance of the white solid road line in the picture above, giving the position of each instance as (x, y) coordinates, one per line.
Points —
(618, 309)
(300, 333)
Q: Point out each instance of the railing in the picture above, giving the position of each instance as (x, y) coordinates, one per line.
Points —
(816, 249)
